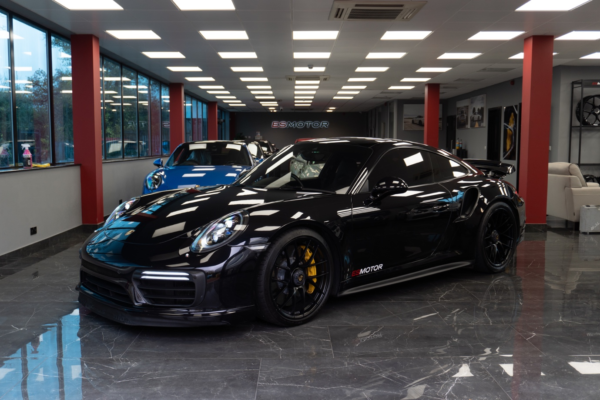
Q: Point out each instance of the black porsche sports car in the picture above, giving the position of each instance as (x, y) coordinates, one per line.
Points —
(325, 217)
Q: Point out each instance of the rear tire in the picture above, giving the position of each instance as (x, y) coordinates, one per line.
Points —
(496, 239)
(294, 278)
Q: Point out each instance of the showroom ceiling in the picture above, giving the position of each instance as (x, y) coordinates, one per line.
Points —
(269, 26)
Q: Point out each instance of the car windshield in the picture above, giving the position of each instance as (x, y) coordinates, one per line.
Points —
(192, 154)
(329, 167)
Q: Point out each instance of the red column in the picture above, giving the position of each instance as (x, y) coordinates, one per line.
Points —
(177, 114)
(213, 121)
(535, 126)
(432, 114)
(87, 126)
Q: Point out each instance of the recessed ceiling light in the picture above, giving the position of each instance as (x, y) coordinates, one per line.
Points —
(405, 35)
(521, 56)
(134, 35)
(348, 92)
(342, 97)
(217, 92)
(306, 87)
(315, 35)
(415, 79)
(372, 69)
(386, 55)
(329, 110)
(306, 69)
(353, 87)
(265, 97)
(259, 87)
(311, 55)
(232, 101)
(302, 105)
(253, 79)
(551, 5)
(185, 69)
(272, 108)
(305, 92)
(269, 103)
(247, 69)
(307, 82)
(433, 69)
(496, 35)
(225, 97)
(304, 97)
(303, 101)
(200, 79)
(163, 54)
(580, 35)
(89, 5)
(458, 56)
(224, 35)
(238, 54)
(211, 87)
(332, 108)
(401, 87)
(237, 105)
(593, 56)
(262, 92)
(361, 79)
(191, 5)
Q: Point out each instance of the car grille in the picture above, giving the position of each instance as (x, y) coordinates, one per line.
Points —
(105, 288)
(166, 291)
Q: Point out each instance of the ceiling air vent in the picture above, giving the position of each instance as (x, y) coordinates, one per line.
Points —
(353, 10)
(307, 78)
(496, 70)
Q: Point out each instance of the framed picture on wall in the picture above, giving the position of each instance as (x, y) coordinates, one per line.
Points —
(414, 117)
(510, 133)
(477, 111)
(462, 114)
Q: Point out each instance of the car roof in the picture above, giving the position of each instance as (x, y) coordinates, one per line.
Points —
(371, 141)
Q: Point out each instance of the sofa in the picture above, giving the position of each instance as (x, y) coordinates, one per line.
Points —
(568, 191)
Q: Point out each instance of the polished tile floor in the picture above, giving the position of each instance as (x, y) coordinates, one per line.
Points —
(530, 333)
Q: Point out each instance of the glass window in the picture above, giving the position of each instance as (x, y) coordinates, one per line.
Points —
(31, 89)
(113, 134)
(445, 168)
(155, 117)
(204, 121)
(188, 119)
(62, 100)
(130, 104)
(411, 165)
(165, 126)
(6, 125)
(219, 153)
(144, 116)
(195, 125)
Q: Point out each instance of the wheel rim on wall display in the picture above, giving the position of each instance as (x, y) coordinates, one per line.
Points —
(591, 111)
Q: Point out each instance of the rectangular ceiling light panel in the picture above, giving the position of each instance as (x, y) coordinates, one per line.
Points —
(208, 5)
(348, 92)
(353, 87)
(307, 82)
(361, 79)
(306, 69)
(458, 56)
(217, 92)
(89, 5)
(580, 35)
(433, 69)
(185, 69)
(305, 92)
(224, 35)
(552, 5)
(315, 35)
(259, 87)
(342, 97)
(163, 54)
(247, 69)
(381, 56)
(253, 79)
(200, 79)
(134, 35)
(265, 97)
(306, 87)
(372, 69)
(211, 87)
(521, 56)
(262, 92)
(405, 35)
(401, 87)
(496, 35)
(238, 54)
(309, 55)
(415, 79)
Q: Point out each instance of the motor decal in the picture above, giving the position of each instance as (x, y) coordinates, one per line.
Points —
(367, 270)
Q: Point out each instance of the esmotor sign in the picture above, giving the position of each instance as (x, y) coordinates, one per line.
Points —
(300, 124)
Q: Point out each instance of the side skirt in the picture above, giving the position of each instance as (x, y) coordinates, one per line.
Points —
(407, 277)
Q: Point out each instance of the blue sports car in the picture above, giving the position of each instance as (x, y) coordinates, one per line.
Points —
(203, 164)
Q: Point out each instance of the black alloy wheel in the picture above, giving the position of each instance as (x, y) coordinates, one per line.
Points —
(294, 278)
(497, 238)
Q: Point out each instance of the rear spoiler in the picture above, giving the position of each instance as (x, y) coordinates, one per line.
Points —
(493, 169)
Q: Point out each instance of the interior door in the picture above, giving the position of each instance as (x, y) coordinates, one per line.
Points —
(399, 230)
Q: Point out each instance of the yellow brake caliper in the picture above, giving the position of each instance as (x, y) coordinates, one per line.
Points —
(311, 270)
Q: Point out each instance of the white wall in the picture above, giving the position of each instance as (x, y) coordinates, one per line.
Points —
(123, 180)
(48, 199)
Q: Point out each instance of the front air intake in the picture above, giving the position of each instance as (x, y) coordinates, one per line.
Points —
(373, 10)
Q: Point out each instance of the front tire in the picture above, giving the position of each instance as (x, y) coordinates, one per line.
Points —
(497, 239)
(294, 278)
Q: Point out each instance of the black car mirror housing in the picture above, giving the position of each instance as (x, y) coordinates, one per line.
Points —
(386, 187)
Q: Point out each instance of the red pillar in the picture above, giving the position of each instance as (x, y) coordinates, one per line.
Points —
(87, 126)
(177, 114)
(535, 126)
(213, 121)
(432, 114)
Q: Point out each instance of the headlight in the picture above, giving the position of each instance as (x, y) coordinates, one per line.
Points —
(221, 232)
(120, 210)
(154, 180)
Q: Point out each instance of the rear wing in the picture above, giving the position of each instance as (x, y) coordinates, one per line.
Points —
(493, 169)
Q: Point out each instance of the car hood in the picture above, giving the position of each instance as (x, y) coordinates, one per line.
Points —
(208, 175)
(182, 213)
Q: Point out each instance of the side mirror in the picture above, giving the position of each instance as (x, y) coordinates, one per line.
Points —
(388, 186)
(158, 163)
